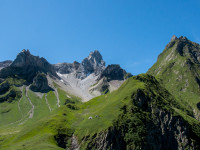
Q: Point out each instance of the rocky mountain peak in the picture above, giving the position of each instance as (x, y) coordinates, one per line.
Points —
(5, 64)
(184, 47)
(174, 38)
(92, 64)
(27, 52)
(113, 72)
(24, 58)
(96, 57)
(26, 66)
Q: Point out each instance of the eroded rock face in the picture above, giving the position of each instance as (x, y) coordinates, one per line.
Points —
(113, 72)
(92, 64)
(198, 105)
(5, 64)
(26, 66)
(188, 48)
(40, 84)
(4, 87)
(66, 68)
(109, 139)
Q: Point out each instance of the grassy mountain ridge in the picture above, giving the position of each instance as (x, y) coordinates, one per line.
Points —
(178, 69)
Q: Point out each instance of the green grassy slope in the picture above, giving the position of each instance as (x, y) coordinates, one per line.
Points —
(116, 110)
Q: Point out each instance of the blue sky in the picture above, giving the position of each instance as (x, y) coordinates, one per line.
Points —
(131, 33)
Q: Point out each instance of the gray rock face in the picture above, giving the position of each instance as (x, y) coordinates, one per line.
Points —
(66, 68)
(113, 72)
(173, 38)
(26, 66)
(109, 139)
(4, 87)
(40, 84)
(92, 64)
(186, 48)
(5, 64)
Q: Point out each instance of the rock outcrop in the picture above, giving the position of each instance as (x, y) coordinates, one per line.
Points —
(92, 64)
(26, 66)
(66, 68)
(114, 72)
(40, 84)
(4, 64)
(4, 87)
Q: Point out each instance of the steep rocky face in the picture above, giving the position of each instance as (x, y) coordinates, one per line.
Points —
(110, 79)
(92, 64)
(66, 68)
(113, 72)
(40, 84)
(8, 91)
(5, 64)
(4, 87)
(178, 69)
(26, 66)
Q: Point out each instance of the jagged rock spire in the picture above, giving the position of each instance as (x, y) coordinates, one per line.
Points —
(173, 38)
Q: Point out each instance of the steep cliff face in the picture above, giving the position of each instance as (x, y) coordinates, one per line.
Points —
(5, 64)
(66, 68)
(113, 72)
(92, 64)
(26, 66)
(40, 84)
(152, 119)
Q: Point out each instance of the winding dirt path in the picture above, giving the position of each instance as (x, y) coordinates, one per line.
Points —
(57, 97)
(32, 109)
(47, 103)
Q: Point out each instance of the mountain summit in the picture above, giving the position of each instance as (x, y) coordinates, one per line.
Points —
(178, 68)
(90, 77)
(26, 66)
(92, 64)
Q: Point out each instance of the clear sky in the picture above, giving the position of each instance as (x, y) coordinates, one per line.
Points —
(131, 33)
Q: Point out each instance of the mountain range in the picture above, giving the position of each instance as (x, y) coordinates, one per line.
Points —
(91, 105)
